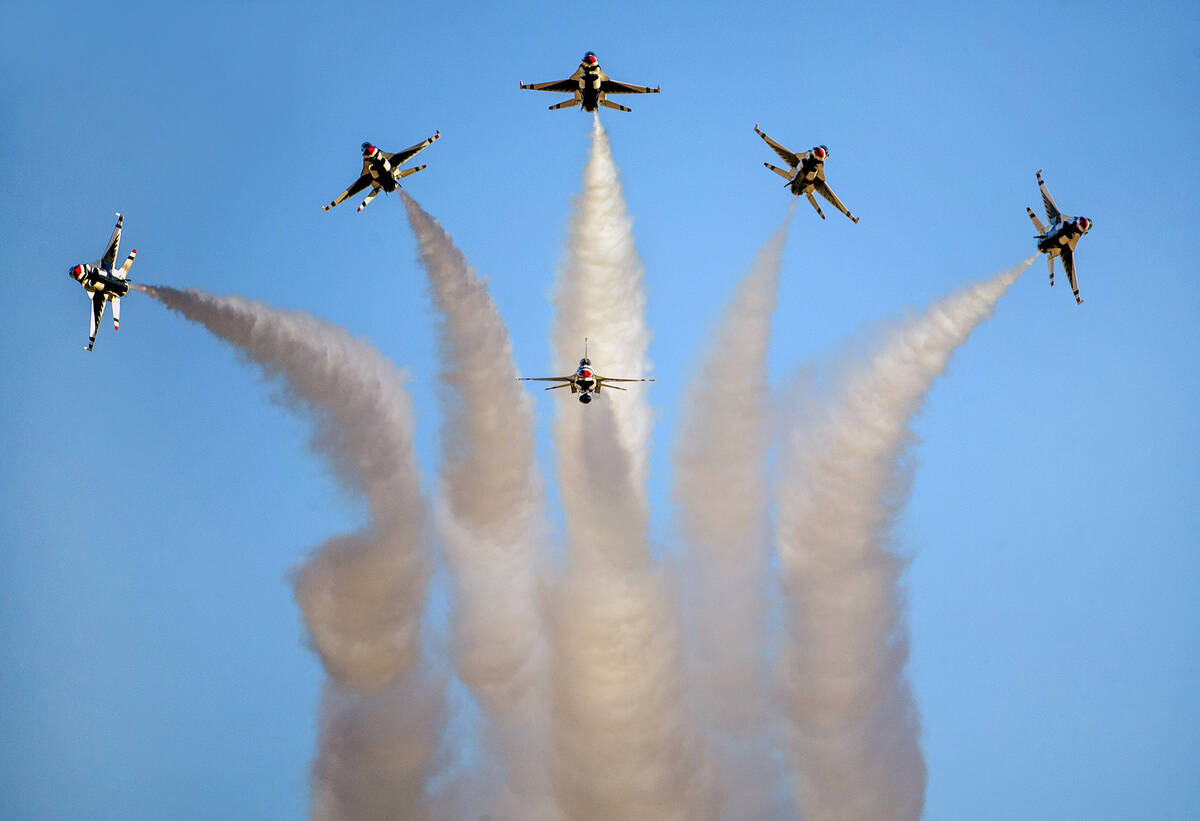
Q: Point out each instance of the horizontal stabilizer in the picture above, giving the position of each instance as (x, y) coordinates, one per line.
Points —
(409, 171)
(611, 104)
(785, 174)
(1037, 223)
(574, 101)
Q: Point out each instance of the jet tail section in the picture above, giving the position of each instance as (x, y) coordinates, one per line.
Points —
(785, 174)
(374, 193)
(409, 171)
(116, 303)
(813, 200)
(1037, 223)
(1050, 262)
(124, 270)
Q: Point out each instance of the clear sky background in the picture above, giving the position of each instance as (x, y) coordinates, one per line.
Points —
(152, 660)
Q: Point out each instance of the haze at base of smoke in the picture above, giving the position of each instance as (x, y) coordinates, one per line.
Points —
(854, 731)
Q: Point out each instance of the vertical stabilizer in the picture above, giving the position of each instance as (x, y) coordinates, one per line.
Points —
(124, 272)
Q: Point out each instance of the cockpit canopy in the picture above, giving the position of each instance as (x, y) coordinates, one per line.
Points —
(368, 149)
(821, 153)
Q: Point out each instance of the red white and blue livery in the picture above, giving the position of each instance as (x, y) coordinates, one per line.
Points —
(584, 382)
(1060, 238)
(103, 282)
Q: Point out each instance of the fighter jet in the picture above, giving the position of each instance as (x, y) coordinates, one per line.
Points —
(584, 381)
(807, 174)
(1059, 240)
(590, 85)
(381, 171)
(103, 281)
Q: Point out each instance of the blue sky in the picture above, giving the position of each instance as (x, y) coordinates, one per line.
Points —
(153, 662)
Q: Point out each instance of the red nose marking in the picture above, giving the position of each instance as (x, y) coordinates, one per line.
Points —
(585, 372)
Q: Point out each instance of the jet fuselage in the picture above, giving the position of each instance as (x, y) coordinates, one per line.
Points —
(1063, 235)
(589, 86)
(96, 280)
(382, 173)
(806, 176)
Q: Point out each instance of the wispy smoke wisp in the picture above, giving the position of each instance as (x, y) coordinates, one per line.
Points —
(722, 494)
(854, 729)
(493, 528)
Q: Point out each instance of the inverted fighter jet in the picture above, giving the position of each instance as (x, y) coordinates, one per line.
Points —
(584, 381)
(807, 174)
(381, 171)
(103, 281)
(590, 85)
(1059, 240)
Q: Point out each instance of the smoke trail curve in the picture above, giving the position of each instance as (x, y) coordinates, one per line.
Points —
(721, 491)
(361, 594)
(494, 530)
(853, 726)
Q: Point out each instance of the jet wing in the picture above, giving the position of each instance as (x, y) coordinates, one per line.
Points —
(825, 191)
(613, 87)
(567, 381)
(1052, 212)
(109, 260)
(1068, 261)
(789, 157)
(614, 379)
(98, 303)
(401, 157)
(567, 86)
(361, 183)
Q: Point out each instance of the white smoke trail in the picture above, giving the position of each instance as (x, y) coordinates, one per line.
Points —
(722, 494)
(494, 529)
(621, 736)
(853, 725)
(361, 594)
(601, 295)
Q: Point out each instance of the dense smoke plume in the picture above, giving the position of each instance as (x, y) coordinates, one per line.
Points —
(361, 594)
(853, 726)
(589, 706)
(493, 525)
(721, 488)
(622, 739)
(601, 295)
